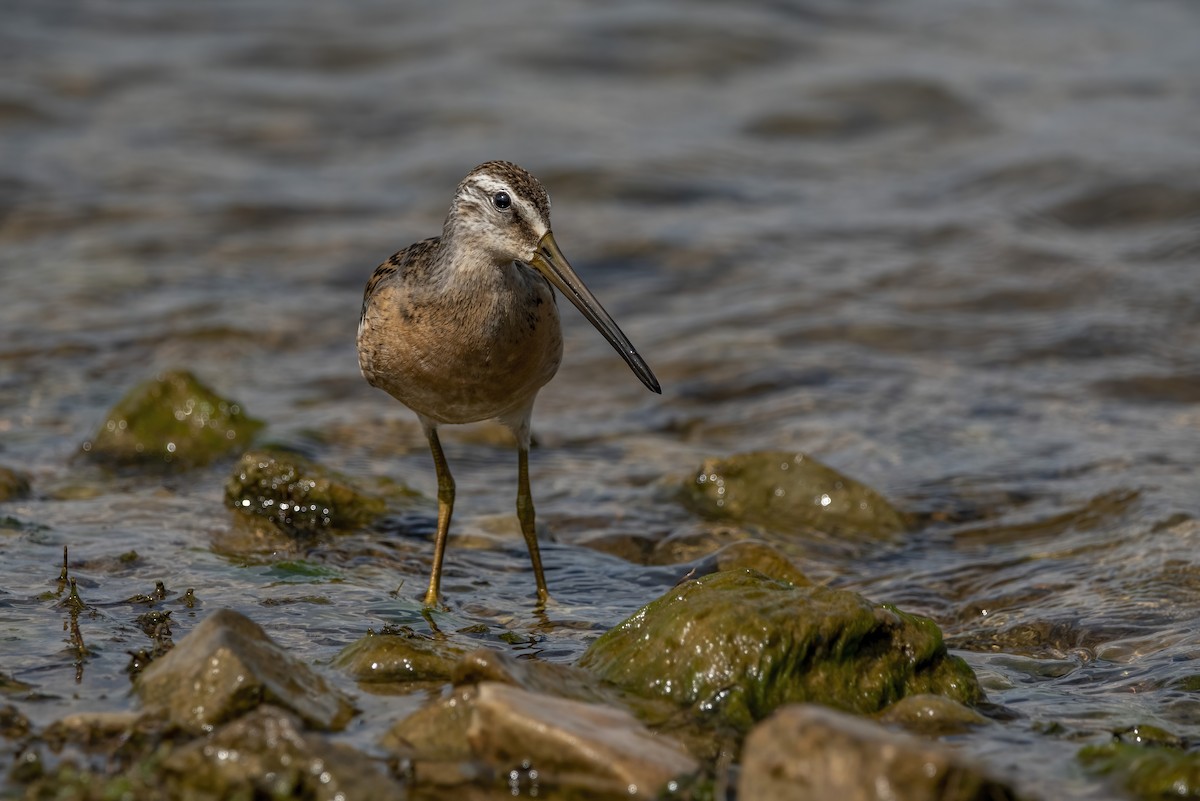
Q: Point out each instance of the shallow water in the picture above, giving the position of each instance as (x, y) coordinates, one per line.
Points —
(948, 248)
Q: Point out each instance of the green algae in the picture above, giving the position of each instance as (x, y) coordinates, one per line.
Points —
(1149, 772)
(171, 421)
(399, 655)
(785, 491)
(14, 485)
(737, 645)
(298, 496)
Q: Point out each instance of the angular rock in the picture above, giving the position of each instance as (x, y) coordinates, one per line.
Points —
(807, 752)
(399, 656)
(786, 491)
(14, 485)
(228, 666)
(172, 420)
(266, 754)
(434, 737)
(589, 748)
(738, 644)
(296, 495)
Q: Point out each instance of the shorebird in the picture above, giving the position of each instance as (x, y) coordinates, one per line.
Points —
(464, 327)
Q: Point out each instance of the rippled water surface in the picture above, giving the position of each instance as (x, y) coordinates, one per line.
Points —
(949, 248)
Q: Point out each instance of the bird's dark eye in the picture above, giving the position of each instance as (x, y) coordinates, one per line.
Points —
(502, 200)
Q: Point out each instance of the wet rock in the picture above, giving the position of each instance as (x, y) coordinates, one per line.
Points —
(399, 655)
(589, 748)
(872, 108)
(14, 485)
(811, 752)
(296, 495)
(266, 754)
(753, 555)
(786, 491)
(738, 644)
(1128, 204)
(13, 724)
(931, 715)
(434, 738)
(436, 734)
(171, 420)
(92, 730)
(1148, 771)
(228, 666)
(563, 681)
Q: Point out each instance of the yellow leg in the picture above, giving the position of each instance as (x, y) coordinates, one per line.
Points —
(445, 509)
(526, 516)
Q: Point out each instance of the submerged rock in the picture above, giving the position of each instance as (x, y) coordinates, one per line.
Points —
(598, 750)
(931, 715)
(171, 420)
(399, 656)
(810, 752)
(738, 644)
(14, 485)
(563, 681)
(753, 555)
(266, 754)
(786, 491)
(228, 666)
(1149, 767)
(296, 495)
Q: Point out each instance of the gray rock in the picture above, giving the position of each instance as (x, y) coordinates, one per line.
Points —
(805, 752)
(228, 666)
(599, 750)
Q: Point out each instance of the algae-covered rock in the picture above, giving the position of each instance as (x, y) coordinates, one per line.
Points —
(296, 495)
(1148, 771)
(14, 485)
(738, 645)
(228, 666)
(753, 555)
(267, 754)
(398, 656)
(811, 753)
(171, 420)
(593, 749)
(786, 491)
(931, 715)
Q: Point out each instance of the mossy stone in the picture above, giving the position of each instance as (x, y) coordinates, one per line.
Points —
(173, 420)
(297, 495)
(785, 491)
(738, 644)
(14, 485)
(400, 656)
(1149, 772)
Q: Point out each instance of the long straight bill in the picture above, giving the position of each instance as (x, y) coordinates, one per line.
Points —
(550, 262)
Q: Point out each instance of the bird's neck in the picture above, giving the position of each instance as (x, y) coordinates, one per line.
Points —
(464, 257)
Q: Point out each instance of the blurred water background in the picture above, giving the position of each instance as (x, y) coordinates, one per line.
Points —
(948, 247)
